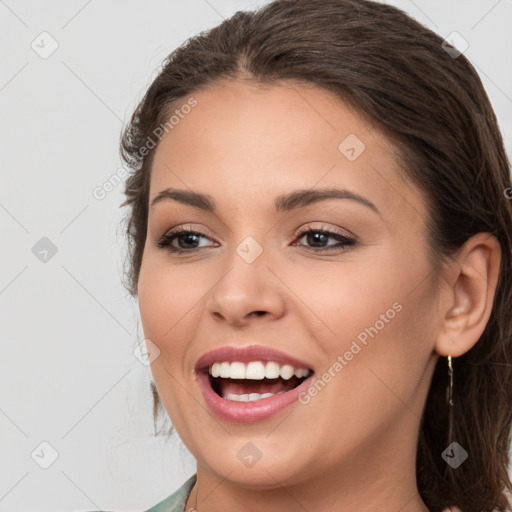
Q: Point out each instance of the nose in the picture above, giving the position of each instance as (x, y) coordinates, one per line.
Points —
(245, 292)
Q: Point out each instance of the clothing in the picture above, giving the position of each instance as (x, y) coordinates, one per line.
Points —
(177, 500)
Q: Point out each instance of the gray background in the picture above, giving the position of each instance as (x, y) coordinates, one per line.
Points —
(68, 375)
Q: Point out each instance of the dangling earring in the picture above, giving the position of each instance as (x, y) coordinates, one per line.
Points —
(449, 400)
(449, 389)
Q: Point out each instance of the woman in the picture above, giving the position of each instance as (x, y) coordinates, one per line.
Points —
(320, 245)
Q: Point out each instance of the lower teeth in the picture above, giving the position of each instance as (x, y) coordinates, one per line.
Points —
(250, 397)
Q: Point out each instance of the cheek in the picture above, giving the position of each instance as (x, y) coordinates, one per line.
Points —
(385, 342)
(346, 297)
(372, 315)
(168, 297)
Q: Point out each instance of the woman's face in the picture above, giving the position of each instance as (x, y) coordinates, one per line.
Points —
(359, 316)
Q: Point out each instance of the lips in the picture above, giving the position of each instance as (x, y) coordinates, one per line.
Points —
(248, 384)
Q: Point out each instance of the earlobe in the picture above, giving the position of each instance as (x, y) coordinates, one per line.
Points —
(474, 280)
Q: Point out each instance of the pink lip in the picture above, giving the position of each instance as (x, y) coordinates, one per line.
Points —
(247, 354)
(248, 412)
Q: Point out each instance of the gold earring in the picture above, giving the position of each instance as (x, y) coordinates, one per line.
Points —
(449, 389)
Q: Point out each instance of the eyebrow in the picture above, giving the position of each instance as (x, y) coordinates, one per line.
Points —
(283, 203)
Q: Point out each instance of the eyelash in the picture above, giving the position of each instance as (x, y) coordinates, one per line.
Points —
(165, 241)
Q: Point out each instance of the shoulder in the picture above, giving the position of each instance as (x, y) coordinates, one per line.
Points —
(177, 500)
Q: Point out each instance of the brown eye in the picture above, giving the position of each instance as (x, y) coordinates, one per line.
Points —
(318, 238)
(187, 240)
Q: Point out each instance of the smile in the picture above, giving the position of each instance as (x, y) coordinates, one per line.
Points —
(260, 384)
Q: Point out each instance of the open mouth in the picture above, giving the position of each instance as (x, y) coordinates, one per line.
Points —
(253, 381)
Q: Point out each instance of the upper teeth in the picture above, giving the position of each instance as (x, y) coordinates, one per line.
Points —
(256, 370)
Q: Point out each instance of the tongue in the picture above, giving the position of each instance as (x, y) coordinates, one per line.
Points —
(242, 386)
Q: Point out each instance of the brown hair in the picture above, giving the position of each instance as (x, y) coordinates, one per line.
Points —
(432, 106)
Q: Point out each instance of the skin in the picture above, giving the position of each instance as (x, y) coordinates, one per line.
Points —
(352, 447)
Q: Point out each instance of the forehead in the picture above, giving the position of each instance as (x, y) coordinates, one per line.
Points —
(266, 140)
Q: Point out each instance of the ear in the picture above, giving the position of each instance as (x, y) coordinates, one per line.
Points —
(469, 295)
